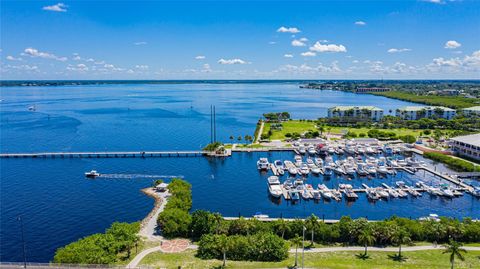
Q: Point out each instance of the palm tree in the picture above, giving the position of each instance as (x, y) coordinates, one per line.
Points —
(224, 244)
(312, 223)
(217, 219)
(455, 249)
(282, 226)
(297, 241)
(366, 238)
(400, 237)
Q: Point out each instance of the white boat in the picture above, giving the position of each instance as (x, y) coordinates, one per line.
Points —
(350, 169)
(360, 150)
(383, 193)
(369, 150)
(328, 171)
(92, 174)
(263, 164)
(293, 170)
(311, 150)
(371, 169)
(402, 193)
(339, 170)
(310, 163)
(305, 194)
(361, 170)
(279, 164)
(318, 162)
(315, 170)
(336, 194)
(302, 150)
(351, 195)
(259, 215)
(372, 194)
(294, 195)
(392, 192)
(330, 150)
(274, 186)
(316, 194)
(431, 217)
(447, 191)
(325, 192)
(304, 170)
(382, 170)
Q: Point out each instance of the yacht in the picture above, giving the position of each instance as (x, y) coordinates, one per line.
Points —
(475, 191)
(369, 150)
(310, 163)
(304, 170)
(361, 170)
(351, 195)
(92, 174)
(392, 192)
(318, 162)
(315, 170)
(382, 170)
(447, 191)
(360, 150)
(280, 171)
(325, 192)
(372, 194)
(259, 215)
(339, 170)
(382, 192)
(288, 184)
(350, 169)
(263, 164)
(336, 194)
(387, 149)
(402, 193)
(292, 170)
(311, 150)
(330, 150)
(350, 150)
(274, 186)
(327, 171)
(305, 194)
(316, 194)
(340, 151)
(302, 150)
(371, 169)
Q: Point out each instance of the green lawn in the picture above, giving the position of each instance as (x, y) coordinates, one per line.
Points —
(303, 126)
(336, 260)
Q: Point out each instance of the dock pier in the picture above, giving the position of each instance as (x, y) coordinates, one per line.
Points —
(106, 154)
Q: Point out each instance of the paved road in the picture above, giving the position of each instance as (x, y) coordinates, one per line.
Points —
(144, 253)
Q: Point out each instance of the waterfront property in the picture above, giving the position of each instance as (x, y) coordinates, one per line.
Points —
(419, 112)
(467, 145)
(356, 112)
(471, 111)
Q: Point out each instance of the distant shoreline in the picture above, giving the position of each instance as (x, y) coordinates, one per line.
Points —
(50, 83)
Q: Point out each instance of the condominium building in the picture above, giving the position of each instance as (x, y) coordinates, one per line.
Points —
(471, 111)
(418, 112)
(467, 145)
(356, 112)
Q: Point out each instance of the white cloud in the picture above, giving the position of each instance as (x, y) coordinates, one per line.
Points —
(11, 58)
(303, 39)
(355, 61)
(24, 67)
(141, 67)
(77, 58)
(434, 1)
(78, 67)
(90, 60)
(60, 7)
(298, 43)
(318, 47)
(200, 57)
(288, 55)
(465, 64)
(36, 53)
(360, 23)
(452, 44)
(393, 50)
(309, 54)
(100, 62)
(272, 42)
(292, 30)
(140, 43)
(231, 61)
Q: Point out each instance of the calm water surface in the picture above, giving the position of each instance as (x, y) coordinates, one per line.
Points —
(59, 205)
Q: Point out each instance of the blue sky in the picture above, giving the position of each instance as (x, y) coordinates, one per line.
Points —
(240, 39)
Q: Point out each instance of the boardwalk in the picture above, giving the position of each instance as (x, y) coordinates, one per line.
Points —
(106, 154)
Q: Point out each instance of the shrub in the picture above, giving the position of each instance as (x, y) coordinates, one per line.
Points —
(452, 162)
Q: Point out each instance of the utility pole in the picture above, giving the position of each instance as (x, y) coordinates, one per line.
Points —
(303, 247)
(214, 125)
(20, 218)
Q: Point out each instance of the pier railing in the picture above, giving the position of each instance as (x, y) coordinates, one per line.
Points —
(106, 154)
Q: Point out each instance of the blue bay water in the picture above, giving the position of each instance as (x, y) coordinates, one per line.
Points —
(60, 206)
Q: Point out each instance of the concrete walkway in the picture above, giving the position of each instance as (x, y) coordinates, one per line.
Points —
(149, 229)
(259, 134)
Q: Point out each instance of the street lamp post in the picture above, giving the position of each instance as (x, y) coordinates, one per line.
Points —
(20, 218)
(303, 247)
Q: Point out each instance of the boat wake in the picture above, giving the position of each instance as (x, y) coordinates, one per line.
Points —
(135, 176)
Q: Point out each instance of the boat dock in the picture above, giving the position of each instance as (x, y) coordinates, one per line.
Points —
(448, 178)
(106, 154)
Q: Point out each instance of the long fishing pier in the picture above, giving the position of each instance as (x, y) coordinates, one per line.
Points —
(107, 154)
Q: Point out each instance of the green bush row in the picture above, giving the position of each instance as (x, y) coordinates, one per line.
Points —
(175, 219)
(454, 163)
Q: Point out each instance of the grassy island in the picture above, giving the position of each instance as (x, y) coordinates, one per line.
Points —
(434, 100)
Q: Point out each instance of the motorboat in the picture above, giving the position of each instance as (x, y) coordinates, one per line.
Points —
(327, 171)
(446, 191)
(325, 192)
(369, 150)
(336, 194)
(311, 150)
(315, 170)
(310, 163)
(372, 194)
(305, 194)
(350, 194)
(371, 169)
(318, 162)
(350, 150)
(294, 195)
(274, 186)
(302, 150)
(412, 162)
(402, 193)
(331, 150)
(339, 170)
(392, 192)
(304, 170)
(279, 164)
(382, 170)
(316, 194)
(431, 217)
(400, 184)
(360, 150)
(263, 164)
(387, 149)
(350, 169)
(280, 171)
(383, 193)
(361, 170)
(292, 170)
(413, 192)
(288, 184)
(92, 174)
(259, 215)
(475, 191)
(340, 151)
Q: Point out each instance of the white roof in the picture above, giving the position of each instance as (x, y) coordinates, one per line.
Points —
(162, 185)
(418, 108)
(468, 139)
